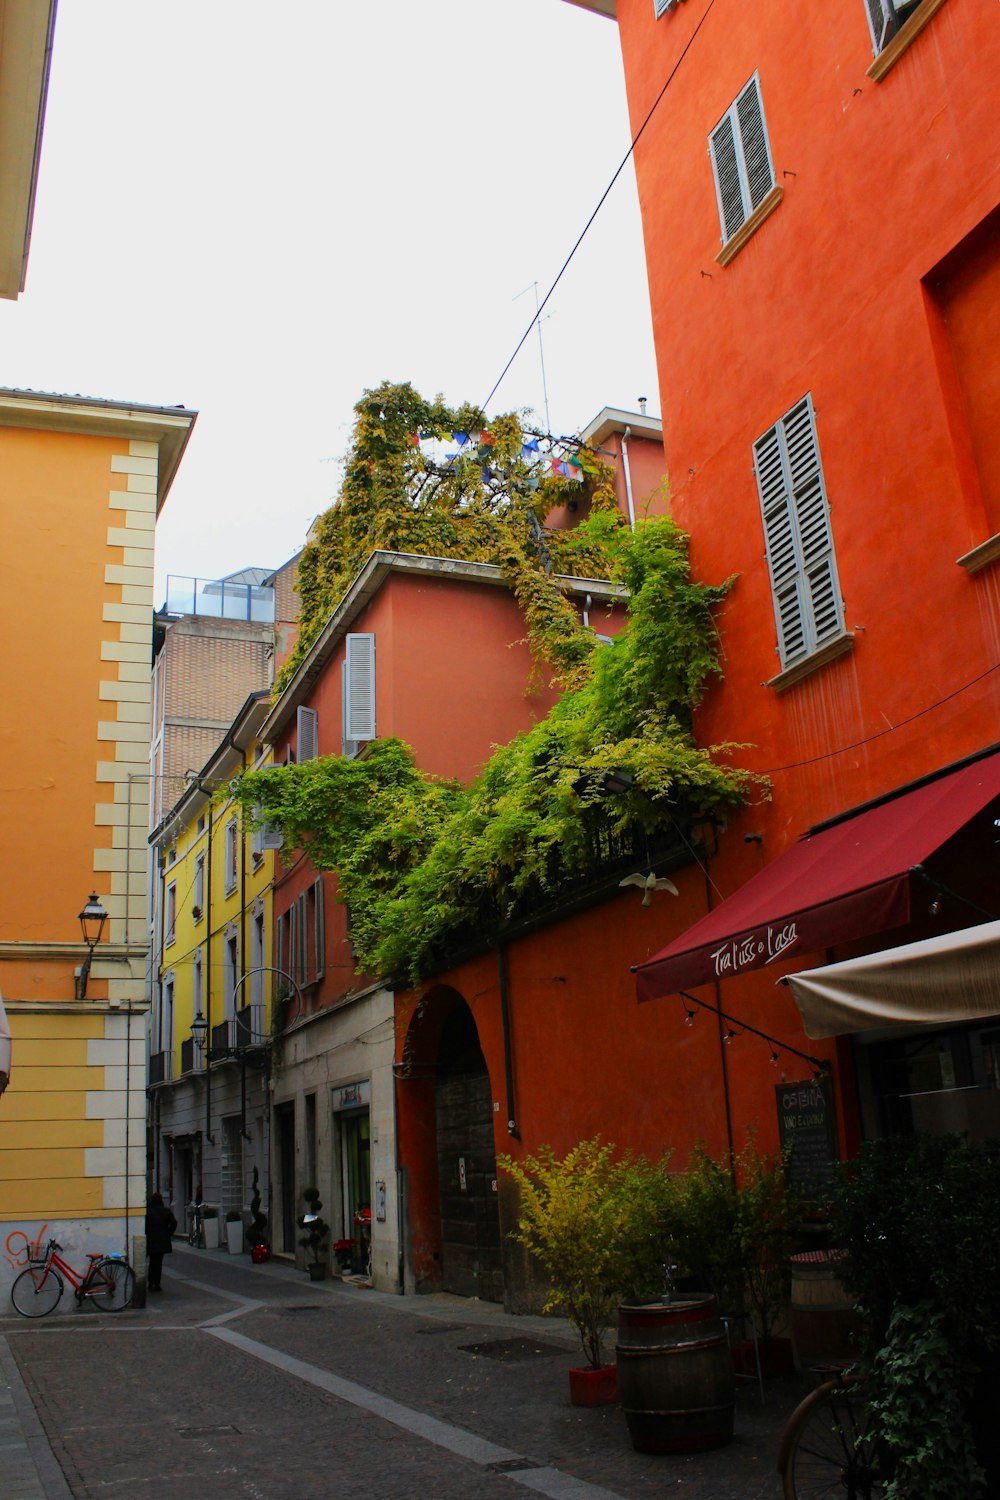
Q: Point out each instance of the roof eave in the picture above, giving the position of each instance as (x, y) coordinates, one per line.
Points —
(26, 31)
(364, 588)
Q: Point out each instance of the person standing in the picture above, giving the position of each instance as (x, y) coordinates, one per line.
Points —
(160, 1226)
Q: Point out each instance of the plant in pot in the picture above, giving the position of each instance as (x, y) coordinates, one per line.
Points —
(257, 1232)
(570, 1219)
(675, 1375)
(234, 1231)
(315, 1233)
(210, 1225)
(918, 1219)
(344, 1251)
(767, 1216)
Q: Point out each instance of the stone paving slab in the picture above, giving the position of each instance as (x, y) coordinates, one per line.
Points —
(256, 1384)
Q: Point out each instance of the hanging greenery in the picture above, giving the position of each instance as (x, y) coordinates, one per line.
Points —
(481, 503)
(423, 862)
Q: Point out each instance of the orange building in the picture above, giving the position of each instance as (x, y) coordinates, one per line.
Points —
(821, 211)
(83, 481)
(434, 651)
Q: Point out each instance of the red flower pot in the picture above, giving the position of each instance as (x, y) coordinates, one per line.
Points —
(589, 1387)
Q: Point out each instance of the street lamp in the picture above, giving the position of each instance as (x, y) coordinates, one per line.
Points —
(92, 920)
(199, 1028)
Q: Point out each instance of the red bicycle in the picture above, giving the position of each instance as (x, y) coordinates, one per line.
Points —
(109, 1281)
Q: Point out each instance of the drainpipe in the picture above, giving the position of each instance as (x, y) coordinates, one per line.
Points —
(508, 1059)
(628, 477)
(722, 1045)
(208, 990)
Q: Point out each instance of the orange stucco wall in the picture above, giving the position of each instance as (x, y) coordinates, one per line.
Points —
(882, 181)
(51, 621)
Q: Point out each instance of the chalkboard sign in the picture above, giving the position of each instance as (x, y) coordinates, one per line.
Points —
(807, 1127)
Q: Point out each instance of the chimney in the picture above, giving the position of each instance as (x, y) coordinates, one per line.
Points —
(642, 405)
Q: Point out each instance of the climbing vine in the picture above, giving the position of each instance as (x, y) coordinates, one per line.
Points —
(482, 499)
(424, 863)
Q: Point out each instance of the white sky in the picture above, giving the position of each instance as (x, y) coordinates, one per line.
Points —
(259, 210)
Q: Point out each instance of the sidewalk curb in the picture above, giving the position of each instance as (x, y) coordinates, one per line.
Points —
(28, 1463)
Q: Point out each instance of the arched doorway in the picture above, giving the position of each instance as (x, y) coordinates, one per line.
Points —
(471, 1263)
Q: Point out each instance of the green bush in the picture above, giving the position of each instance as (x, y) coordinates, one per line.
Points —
(919, 1218)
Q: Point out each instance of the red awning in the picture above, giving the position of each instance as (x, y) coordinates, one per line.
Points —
(847, 880)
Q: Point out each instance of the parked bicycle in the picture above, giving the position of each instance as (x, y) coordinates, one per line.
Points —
(196, 1229)
(827, 1449)
(108, 1281)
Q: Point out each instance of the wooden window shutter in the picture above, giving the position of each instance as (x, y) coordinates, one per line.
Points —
(306, 734)
(882, 22)
(797, 533)
(319, 928)
(756, 156)
(741, 159)
(359, 684)
(722, 146)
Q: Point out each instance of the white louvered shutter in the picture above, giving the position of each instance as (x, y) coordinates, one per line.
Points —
(797, 533)
(359, 688)
(741, 159)
(306, 734)
(881, 21)
(756, 156)
(722, 144)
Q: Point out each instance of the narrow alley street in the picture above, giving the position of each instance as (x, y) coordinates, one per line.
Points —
(251, 1383)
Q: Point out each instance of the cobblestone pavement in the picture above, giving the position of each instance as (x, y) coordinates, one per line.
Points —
(252, 1383)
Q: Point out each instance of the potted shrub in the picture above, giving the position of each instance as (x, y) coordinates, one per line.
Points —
(257, 1232)
(234, 1231)
(344, 1251)
(918, 1219)
(316, 1233)
(570, 1219)
(210, 1225)
(675, 1375)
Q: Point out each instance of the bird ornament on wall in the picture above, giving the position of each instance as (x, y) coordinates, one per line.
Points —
(650, 883)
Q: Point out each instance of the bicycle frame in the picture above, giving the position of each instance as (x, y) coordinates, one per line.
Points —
(84, 1284)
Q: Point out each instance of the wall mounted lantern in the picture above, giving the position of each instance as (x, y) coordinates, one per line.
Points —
(92, 920)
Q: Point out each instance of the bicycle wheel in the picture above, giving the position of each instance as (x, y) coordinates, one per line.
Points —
(36, 1291)
(826, 1450)
(114, 1284)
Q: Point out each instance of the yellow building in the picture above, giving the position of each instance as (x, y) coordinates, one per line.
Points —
(81, 483)
(210, 1022)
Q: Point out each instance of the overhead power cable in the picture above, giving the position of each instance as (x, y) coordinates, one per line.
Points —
(624, 162)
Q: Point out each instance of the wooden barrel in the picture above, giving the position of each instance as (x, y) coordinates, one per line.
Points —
(675, 1375)
(824, 1323)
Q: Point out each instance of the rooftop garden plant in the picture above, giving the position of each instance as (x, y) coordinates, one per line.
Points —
(421, 861)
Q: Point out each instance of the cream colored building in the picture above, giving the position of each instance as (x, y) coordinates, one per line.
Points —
(81, 483)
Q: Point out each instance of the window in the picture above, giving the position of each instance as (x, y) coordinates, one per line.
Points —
(267, 836)
(230, 865)
(257, 954)
(170, 915)
(807, 605)
(230, 963)
(281, 960)
(660, 7)
(306, 734)
(358, 692)
(196, 983)
(319, 929)
(741, 160)
(198, 903)
(885, 17)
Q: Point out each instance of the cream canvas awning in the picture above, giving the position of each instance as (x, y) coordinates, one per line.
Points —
(954, 977)
(4, 1048)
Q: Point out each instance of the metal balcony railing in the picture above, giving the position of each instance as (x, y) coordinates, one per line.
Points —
(219, 599)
